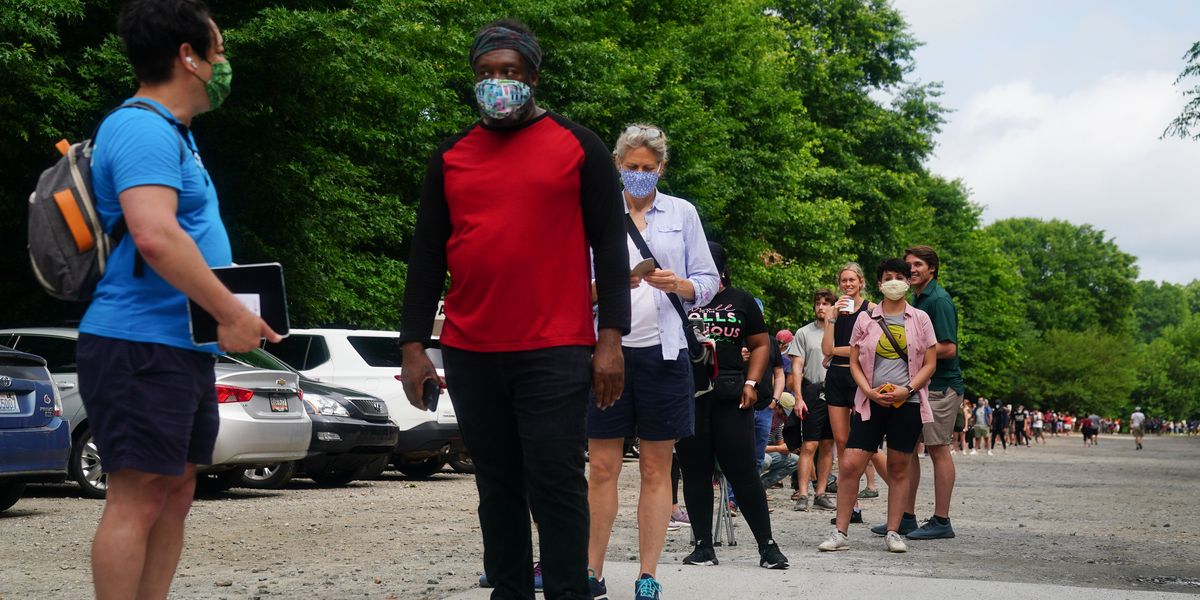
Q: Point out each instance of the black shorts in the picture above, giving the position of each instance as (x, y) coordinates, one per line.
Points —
(150, 407)
(657, 404)
(816, 425)
(902, 427)
(840, 387)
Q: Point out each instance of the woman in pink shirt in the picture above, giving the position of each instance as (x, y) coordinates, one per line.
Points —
(892, 371)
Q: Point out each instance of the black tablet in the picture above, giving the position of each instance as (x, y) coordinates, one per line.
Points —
(259, 287)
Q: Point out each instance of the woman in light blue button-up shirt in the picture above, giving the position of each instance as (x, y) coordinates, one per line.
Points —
(657, 404)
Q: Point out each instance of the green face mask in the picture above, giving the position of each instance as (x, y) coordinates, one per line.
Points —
(220, 85)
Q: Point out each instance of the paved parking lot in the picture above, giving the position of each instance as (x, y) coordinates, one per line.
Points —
(1106, 517)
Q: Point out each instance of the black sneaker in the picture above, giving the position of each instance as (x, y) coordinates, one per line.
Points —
(855, 517)
(703, 556)
(770, 557)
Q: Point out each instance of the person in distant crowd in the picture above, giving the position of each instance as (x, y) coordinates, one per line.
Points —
(1020, 420)
(839, 385)
(779, 461)
(946, 392)
(808, 387)
(520, 346)
(1091, 429)
(893, 356)
(725, 422)
(147, 388)
(657, 402)
(982, 424)
(999, 427)
(784, 338)
(960, 425)
(1037, 423)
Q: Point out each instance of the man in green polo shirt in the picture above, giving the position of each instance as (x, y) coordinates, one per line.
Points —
(945, 394)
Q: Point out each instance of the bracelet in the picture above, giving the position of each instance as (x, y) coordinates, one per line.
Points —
(751, 382)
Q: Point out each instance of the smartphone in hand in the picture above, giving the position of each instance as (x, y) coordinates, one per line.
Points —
(643, 268)
(430, 394)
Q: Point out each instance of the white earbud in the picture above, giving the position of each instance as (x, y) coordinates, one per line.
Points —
(192, 61)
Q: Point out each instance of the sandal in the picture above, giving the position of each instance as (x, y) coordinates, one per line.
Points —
(796, 495)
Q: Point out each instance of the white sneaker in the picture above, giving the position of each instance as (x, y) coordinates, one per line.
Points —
(837, 541)
(974, 452)
(953, 452)
(990, 453)
(894, 542)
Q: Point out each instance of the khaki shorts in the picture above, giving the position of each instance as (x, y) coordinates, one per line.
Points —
(945, 406)
(1136, 431)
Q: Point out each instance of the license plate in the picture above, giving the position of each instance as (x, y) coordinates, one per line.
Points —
(8, 404)
(279, 403)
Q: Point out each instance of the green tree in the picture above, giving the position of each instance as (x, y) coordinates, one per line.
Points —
(1073, 277)
(1079, 371)
(1187, 124)
(1170, 374)
(1158, 306)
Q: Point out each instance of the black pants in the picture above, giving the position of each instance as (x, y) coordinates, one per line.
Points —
(1020, 435)
(522, 419)
(998, 434)
(725, 435)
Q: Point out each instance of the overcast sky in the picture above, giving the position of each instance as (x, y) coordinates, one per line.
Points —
(1059, 105)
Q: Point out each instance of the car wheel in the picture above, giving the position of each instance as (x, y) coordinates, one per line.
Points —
(270, 477)
(85, 467)
(423, 469)
(9, 494)
(462, 465)
(335, 478)
(212, 483)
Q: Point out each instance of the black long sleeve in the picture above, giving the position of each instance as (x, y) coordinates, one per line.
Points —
(427, 256)
(604, 225)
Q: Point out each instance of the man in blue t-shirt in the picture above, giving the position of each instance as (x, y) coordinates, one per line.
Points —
(148, 390)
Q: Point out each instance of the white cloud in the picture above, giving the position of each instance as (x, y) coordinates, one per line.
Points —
(1092, 155)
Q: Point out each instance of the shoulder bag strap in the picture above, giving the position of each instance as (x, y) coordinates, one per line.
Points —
(694, 348)
(891, 339)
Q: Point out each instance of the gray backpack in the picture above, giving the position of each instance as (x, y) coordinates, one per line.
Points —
(68, 247)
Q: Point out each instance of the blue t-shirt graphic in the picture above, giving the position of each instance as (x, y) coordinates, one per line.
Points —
(136, 147)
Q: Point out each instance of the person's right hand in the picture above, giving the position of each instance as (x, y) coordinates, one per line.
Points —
(608, 368)
(749, 397)
(244, 333)
(635, 281)
(801, 409)
(416, 370)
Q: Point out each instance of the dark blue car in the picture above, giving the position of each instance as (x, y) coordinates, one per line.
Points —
(34, 438)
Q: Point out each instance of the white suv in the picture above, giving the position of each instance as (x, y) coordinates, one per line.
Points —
(370, 361)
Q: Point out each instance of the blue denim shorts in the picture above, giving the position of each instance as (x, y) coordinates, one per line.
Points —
(150, 407)
(657, 404)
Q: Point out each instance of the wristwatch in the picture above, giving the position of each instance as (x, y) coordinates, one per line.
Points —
(910, 389)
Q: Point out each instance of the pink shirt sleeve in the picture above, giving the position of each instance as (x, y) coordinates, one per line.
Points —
(860, 329)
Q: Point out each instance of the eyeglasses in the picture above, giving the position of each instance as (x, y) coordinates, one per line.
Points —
(649, 132)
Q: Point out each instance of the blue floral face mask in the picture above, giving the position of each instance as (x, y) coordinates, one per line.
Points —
(499, 98)
(639, 184)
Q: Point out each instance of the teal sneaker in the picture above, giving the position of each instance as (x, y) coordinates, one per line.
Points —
(907, 525)
(931, 530)
(646, 588)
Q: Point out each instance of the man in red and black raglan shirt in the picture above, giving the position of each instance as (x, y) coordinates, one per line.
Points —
(511, 207)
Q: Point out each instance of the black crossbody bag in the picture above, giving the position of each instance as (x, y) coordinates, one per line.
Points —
(702, 352)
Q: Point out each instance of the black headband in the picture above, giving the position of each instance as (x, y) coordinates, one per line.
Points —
(503, 38)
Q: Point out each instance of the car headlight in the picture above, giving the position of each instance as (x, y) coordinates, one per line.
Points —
(324, 405)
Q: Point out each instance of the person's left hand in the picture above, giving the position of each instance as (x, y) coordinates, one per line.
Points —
(663, 279)
(900, 394)
(749, 396)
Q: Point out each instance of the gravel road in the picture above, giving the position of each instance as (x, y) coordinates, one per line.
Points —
(1095, 517)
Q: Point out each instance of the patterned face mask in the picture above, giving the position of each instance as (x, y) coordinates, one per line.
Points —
(639, 184)
(499, 98)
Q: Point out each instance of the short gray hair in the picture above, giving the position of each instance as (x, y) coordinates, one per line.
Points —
(640, 135)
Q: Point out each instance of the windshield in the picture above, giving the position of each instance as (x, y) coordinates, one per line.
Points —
(258, 358)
